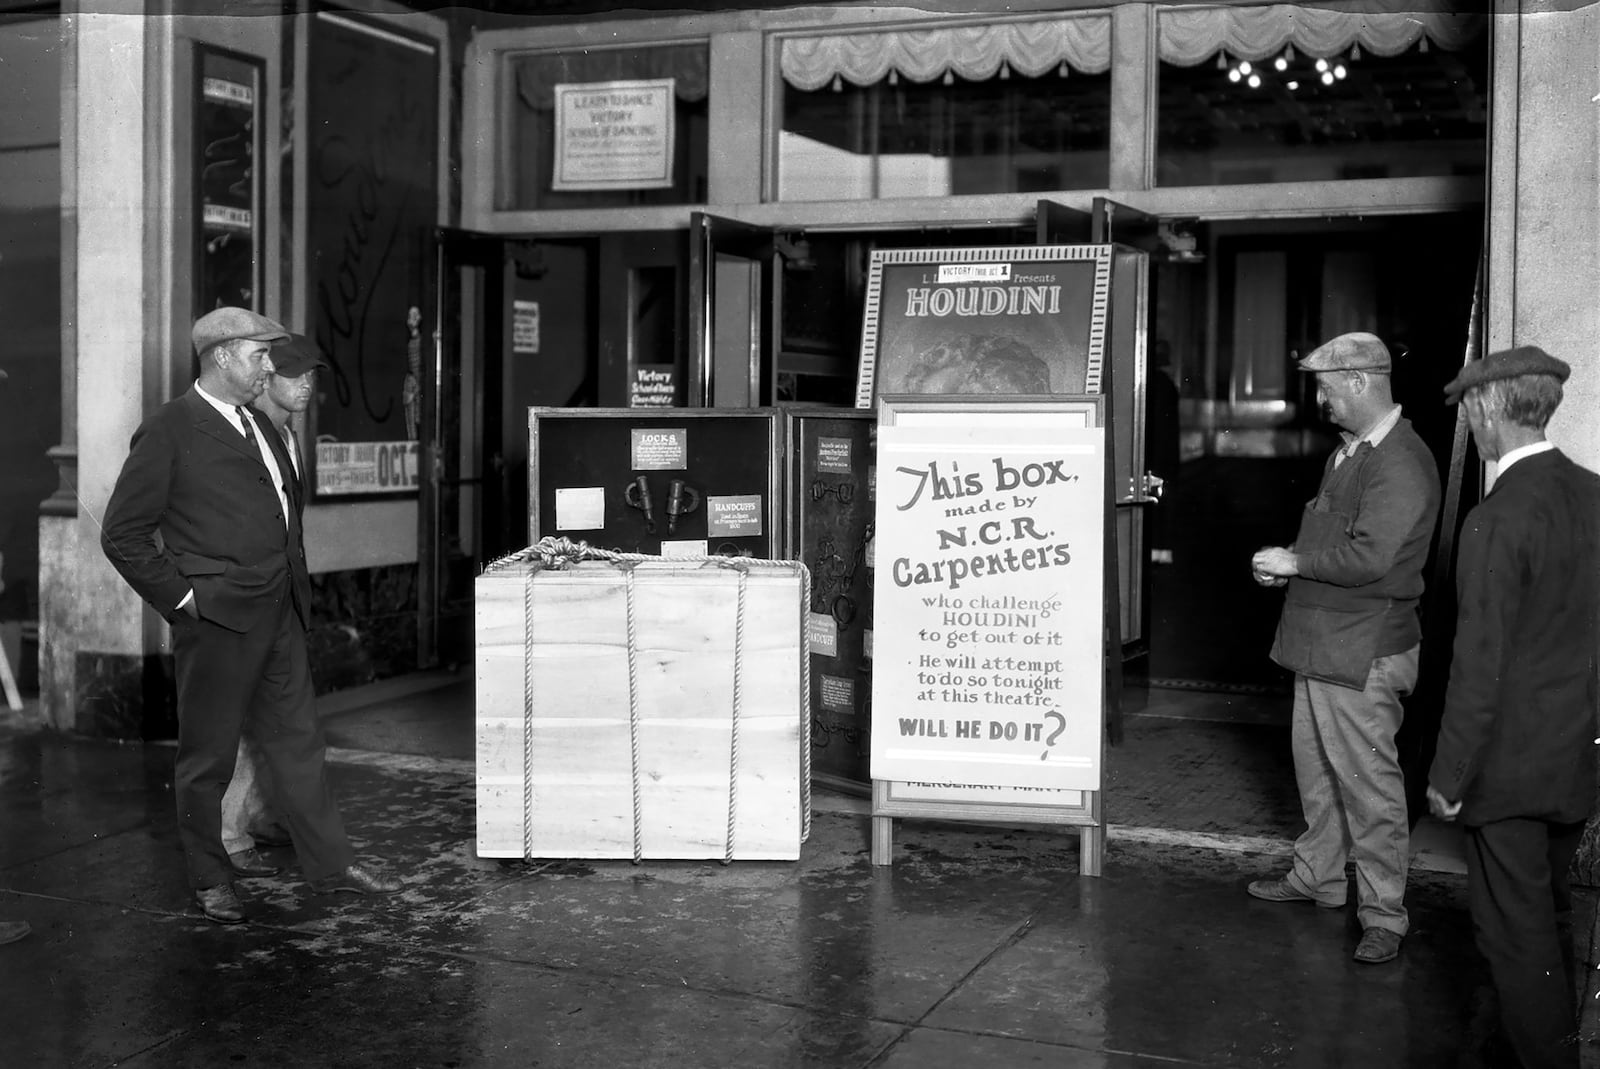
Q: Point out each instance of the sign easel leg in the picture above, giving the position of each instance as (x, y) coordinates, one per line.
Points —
(882, 840)
(1091, 850)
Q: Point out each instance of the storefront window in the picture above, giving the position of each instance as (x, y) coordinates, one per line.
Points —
(30, 300)
(604, 128)
(1019, 107)
(1250, 95)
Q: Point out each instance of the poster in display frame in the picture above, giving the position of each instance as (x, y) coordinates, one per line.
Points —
(371, 122)
(1025, 320)
(614, 135)
(227, 180)
(936, 753)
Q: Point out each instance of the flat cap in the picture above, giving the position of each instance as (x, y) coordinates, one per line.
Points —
(1505, 364)
(295, 357)
(1356, 351)
(227, 324)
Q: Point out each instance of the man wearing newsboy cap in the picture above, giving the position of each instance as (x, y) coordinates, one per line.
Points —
(1350, 632)
(1515, 761)
(203, 525)
(247, 815)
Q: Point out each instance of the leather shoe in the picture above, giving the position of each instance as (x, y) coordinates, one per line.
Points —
(11, 931)
(272, 835)
(359, 880)
(1282, 891)
(249, 862)
(1377, 946)
(219, 904)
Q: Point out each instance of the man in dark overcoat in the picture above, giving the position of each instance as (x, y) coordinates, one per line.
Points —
(1515, 761)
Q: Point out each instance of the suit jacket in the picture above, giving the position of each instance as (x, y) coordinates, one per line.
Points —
(1518, 734)
(195, 508)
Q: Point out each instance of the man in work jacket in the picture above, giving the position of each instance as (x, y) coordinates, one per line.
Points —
(1351, 634)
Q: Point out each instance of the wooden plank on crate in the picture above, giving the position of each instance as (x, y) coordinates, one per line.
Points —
(567, 646)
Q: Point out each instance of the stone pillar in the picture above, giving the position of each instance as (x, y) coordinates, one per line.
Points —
(1544, 261)
(93, 631)
(1134, 67)
(1544, 201)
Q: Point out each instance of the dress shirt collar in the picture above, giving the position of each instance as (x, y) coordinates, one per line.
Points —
(1376, 434)
(1521, 453)
(226, 409)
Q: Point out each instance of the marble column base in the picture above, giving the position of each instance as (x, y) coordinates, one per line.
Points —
(125, 696)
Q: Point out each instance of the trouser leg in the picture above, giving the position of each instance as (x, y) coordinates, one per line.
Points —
(1358, 731)
(1513, 891)
(244, 803)
(1319, 853)
(216, 669)
(285, 729)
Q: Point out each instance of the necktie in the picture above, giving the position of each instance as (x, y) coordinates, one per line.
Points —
(295, 474)
(249, 431)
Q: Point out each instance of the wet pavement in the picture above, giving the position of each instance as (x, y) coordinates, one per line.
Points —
(981, 946)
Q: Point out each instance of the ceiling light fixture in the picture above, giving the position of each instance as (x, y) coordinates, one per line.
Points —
(1284, 64)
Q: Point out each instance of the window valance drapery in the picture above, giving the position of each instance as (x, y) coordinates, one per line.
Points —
(1082, 42)
(1188, 36)
(537, 74)
(976, 53)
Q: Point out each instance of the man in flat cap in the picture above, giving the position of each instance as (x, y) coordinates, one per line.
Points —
(248, 817)
(1350, 632)
(1515, 761)
(202, 524)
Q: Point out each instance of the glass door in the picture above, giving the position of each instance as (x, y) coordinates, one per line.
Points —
(452, 500)
(733, 312)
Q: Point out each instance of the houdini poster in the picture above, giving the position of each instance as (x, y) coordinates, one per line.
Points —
(1026, 321)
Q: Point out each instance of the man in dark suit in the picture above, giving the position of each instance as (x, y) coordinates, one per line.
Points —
(1516, 756)
(248, 817)
(202, 525)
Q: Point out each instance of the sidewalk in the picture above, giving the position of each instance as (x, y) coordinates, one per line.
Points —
(980, 946)
(1195, 768)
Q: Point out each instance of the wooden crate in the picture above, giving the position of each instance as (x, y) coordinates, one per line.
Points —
(556, 775)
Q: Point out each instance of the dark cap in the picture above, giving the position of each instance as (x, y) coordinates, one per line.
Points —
(1357, 351)
(295, 357)
(1506, 364)
(229, 324)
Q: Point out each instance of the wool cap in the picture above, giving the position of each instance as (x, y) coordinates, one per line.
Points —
(295, 357)
(1356, 351)
(227, 324)
(1505, 364)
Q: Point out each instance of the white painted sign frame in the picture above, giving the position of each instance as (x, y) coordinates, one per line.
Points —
(946, 800)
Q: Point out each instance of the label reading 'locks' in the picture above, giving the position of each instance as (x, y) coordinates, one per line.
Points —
(660, 448)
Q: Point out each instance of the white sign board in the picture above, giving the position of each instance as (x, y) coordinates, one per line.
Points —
(988, 667)
(525, 327)
(351, 468)
(614, 135)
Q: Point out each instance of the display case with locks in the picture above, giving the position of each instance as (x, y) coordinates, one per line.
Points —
(831, 478)
(672, 482)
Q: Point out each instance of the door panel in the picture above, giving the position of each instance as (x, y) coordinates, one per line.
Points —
(452, 496)
(1057, 224)
(641, 300)
(1133, 235)
(734, 305)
